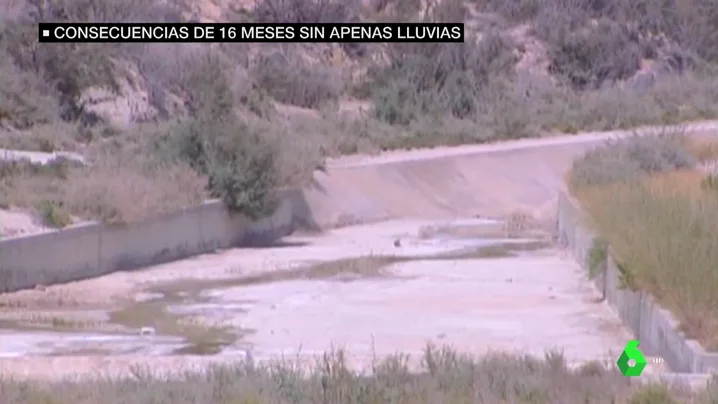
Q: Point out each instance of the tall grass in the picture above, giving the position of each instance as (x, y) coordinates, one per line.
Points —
(664, 231)
(446, 377)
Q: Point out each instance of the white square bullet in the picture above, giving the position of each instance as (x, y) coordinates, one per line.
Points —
(45, 32)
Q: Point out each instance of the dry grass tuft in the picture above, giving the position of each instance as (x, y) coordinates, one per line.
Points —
(117, 192)
(113, 190)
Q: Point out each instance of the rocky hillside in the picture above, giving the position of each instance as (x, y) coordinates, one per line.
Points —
(170, 124)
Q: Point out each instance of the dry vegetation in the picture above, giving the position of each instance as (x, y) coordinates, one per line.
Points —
(659, 213)
(166, 125)
(446, 377)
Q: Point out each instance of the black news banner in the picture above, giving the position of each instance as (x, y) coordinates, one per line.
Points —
(194, 32)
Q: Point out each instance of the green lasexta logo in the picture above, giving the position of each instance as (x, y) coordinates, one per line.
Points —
(631, 352)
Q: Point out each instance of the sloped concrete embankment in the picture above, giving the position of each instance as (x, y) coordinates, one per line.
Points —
(487, 184)
(90, 250)
(488, 180)
(655, 327)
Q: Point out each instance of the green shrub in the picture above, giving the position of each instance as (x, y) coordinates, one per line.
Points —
(590, 57)
(406, 9)
(242, 172)
(693, 25)
(288, 79)
(206, 82)
(664, 152)
(447, 11)
(629, 159)
(437, 79)
(399, 102)
(52, 215)
(304, 11)
(236, 157)
(514, 11)
(25, 99)
(700, 28)
(690, 25)
(238, 162)
(602, 166)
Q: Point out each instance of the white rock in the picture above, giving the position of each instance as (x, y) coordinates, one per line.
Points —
(147, 331)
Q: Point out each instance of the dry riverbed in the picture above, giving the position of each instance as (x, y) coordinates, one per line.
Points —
(373, 290)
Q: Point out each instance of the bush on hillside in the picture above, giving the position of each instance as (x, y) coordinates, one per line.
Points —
(426, 79)
(208, 87)
(700, 33)
(72, 68)
(242, 172)
(169, 69)
(590, 57)
(629, 159)
(52, 215)
(288, 79)
(202, 78)
(25, 99)
(209, 81)
(693, 24)
(236, 158)
(514, 11)
(435, 80)
(666, 152)
(399, 9)
(603, 166)
(304, 11)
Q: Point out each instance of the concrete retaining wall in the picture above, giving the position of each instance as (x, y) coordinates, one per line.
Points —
(89, 250)
(655, 327)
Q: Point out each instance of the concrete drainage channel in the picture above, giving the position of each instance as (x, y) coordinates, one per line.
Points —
(174, 317)
(373, 290)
